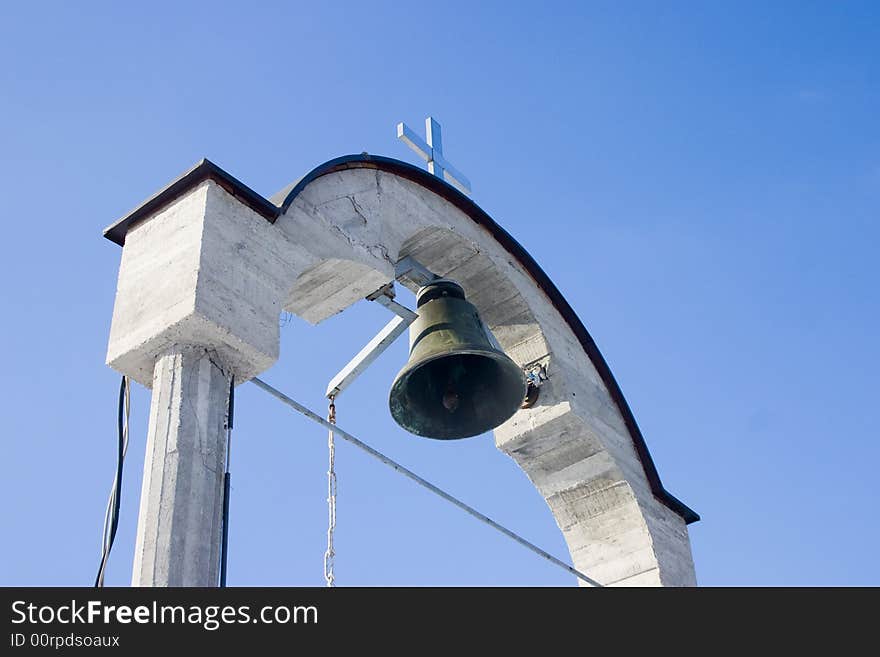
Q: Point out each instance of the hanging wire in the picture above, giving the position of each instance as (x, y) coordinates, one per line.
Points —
(422, 482)
(111, 514)
(330, 553)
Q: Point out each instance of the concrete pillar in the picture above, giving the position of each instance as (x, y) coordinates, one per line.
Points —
(197, 302)
(179, 525)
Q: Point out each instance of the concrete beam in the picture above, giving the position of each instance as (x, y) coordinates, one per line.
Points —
(205, 270)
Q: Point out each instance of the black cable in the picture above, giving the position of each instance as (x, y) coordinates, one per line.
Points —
(117, 483)
(224, 546)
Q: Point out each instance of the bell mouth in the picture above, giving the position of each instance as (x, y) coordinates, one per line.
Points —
(452, 396)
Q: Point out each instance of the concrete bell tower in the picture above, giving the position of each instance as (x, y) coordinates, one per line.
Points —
(208, 265)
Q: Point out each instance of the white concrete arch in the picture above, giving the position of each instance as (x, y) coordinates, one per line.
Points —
(334, 237)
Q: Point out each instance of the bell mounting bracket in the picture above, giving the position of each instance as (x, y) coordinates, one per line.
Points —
(536, 376)
(413, 275)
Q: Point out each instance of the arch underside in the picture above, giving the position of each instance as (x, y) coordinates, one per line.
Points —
(574, 444)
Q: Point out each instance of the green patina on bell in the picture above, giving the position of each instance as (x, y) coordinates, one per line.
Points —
(456, 384)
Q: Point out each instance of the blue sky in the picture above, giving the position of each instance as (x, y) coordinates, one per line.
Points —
(701, 180)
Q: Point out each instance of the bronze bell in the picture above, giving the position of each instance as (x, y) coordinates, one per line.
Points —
(456, 384)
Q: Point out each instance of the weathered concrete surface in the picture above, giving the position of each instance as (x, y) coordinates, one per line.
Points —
(179, 525)
(205, 270)
(199, 293)
(208, 271)
(573, 444)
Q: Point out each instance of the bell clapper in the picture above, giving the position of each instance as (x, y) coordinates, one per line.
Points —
(450, 399)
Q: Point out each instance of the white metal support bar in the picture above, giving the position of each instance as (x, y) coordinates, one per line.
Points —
(366, 356)
(414, 275)
(422, 482)
(384, 296)
(401, 311)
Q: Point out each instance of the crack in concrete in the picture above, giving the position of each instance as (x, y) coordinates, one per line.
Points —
(201, 432)
(356, 208)
(192, 407)
(372, 249)
(213, 359)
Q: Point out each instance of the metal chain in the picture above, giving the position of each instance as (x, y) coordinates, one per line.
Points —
(329, 555)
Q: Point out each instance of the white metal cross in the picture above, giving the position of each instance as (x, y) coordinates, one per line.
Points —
(433, 153)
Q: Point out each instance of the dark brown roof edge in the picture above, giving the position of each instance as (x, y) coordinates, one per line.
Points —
(258, 203)
(202, 171)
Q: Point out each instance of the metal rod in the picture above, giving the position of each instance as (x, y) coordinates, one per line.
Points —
(224, 545)
(419, 480)
(398, 309)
